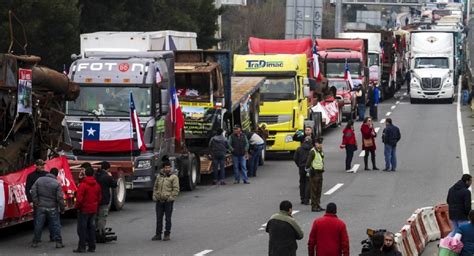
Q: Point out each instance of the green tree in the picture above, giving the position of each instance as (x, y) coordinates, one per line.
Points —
(51, 29)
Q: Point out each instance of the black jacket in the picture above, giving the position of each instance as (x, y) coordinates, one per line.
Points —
(301, 154)
(361, 99)
(284, 232)
(238, 145)
(372, 252)
(30, 180)
(392, 252)
(106, 182)
(218, 146)
(459, 201)
(391, 135)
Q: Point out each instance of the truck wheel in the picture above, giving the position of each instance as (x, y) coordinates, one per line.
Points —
(119, 194)
(190, 179)
(413, 101)
(262, 158)
(318, 126)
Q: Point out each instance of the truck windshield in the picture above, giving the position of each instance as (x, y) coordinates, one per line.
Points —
(195, 86)
(431, 63)
(105, 100)
(336, 69)
(339, 84)
(373, 59)
(278, 88)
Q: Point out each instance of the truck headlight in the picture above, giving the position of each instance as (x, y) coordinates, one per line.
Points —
(144, 164)
(288, 138)
(415, 83)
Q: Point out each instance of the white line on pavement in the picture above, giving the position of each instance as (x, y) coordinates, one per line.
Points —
(388, 113)
(398, 102)
(393, 107)
(462, 142)
(382, 121)
(355, 168)
(333, 189)
(377, 129)
(203, 252)
(362, 153)
(405, 93)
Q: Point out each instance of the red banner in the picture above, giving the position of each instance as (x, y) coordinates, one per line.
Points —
(13, 201)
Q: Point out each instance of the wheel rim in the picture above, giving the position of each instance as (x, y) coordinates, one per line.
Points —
(120, 190)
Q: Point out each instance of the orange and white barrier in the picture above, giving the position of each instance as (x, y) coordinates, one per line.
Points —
(416, 233)
(399, 242)
(409, 241)
(431, 225)
(442, 217)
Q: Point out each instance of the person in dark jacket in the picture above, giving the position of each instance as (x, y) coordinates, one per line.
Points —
(373, 99)
(361, 101)
(48, 198)
(390, 137)
(459, 201)
(239, 146)
(350, 144)
(106, 182)
(368, 143)
(328, 235)
(300, 157)
(467, 236)
(218, 149)
(377, 245)
(389, 248)
(33, 177)
(283, 231)
(300, 135)
(88, 198)
(408, 80)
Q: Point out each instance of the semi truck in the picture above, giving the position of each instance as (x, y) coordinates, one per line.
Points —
(432, 64)
(334, 55)
(290, 95)
(211, 99)
(380, 58)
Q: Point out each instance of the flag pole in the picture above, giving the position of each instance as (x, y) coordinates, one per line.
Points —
(131, 131)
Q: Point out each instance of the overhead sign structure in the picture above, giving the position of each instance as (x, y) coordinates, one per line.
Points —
(304, 18)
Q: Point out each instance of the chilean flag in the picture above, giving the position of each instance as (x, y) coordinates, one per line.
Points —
(316, 70)
(175, 113)
(347, 76)
(136, 124)
(106, 137)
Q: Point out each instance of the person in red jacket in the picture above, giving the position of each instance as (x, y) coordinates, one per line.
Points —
(328, 236)
(349, 143)
(87, 203)
(368, 142)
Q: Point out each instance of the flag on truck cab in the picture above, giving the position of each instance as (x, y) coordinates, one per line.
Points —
(347, 76)
(316, 70)
(136, 124)
(175, 113)
(106, 137)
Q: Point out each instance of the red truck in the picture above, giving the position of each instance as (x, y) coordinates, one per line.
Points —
(333, 56)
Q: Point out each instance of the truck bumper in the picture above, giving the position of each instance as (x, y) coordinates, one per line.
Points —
(282, 141)
(346, 109)
(143, 180)
(442, 94)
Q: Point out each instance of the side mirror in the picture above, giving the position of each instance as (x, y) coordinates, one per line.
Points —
(312, 84)
(305, 81)
(306, 91)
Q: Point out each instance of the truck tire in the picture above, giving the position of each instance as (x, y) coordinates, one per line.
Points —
(190, 178)
(119, 195)
(318, 126)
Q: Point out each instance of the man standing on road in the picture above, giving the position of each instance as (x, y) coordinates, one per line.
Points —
(239, 146)
(300, 157)
(257, 144)
(459, 201)
(315, 164)
(48, 199)
(390, 137)
(87, 204)
(283, 231)
(165, 191)
(328, 235)
(33, 177)
(373, 98)
(106, 182)
(361, 101)
(301, 135)
(218, 149)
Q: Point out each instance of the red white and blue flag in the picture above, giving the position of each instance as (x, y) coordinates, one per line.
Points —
(176, 114)
(136, 124)
(316, 70)
(347, 76)
(106, 137)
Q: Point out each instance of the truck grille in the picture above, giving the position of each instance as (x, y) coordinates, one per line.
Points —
(431, 83)
(273, 119)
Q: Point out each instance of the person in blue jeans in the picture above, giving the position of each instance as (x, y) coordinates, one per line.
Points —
(239, 146)
(467, 238)
(218, 149)
(459, 202)
(390, 137)
(257, 144)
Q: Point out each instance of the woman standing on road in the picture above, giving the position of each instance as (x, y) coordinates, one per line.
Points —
(368, 142)
(349, 143)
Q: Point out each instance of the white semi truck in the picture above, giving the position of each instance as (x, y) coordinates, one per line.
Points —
(432, 66)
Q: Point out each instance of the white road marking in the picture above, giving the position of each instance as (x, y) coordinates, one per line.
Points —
(393, 107)
(382, 121)
(203, 252)
(333, 189)
(388, 113)
(398, 102)
(362, 153)
(355, 168)
(405, 94)
(377, 129)
(462, 142)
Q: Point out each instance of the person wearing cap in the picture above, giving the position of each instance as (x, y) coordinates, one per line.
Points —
(315, 166)
(300, 157)
(239, 146)
(33, 177)
(106, 182)
(165, 191)
(328, 235)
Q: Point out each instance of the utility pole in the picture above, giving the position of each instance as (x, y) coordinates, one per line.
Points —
(338, 18)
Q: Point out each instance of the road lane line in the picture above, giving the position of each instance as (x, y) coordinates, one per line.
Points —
(203, 252)
(377, 129)
(362, 153)
(382, 121)
(333, 189)
(355, 168)
(462, 142)
(398, 102)
(388, 113)
(393, 107)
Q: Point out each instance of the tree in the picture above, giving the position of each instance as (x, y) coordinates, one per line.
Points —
(51, 29)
